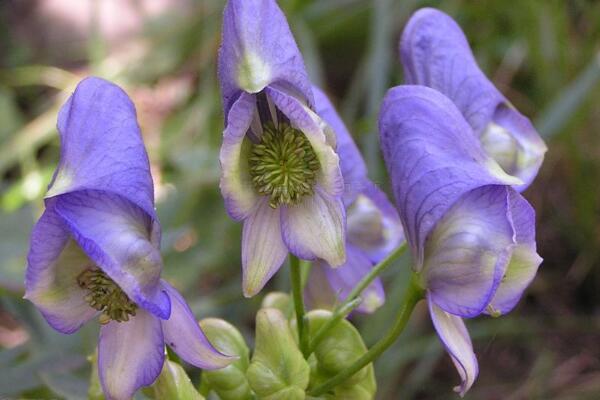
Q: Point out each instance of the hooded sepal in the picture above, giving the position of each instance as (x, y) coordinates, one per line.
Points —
(102, 147)
(435, 53)
(432, 159)
(258, 50)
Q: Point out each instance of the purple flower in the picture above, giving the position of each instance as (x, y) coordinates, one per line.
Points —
(280, 171)
(471, 235)
(373, 226)
(95, 249)
(435, 53)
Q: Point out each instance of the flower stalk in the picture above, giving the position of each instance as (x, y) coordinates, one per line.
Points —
(353, 300)
(296, 277)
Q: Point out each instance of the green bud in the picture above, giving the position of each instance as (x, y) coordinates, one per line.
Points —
(280, 301)
(173, 384)
(229, 383)
(278, 370)
(342, 346)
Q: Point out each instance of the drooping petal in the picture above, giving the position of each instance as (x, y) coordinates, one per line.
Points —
(257, 50)
(304, 119)
(263, 250)
(236, 183)
(343, 279)
(183, 334)
(130, 355)
(432, 159)
(116, 235)
(524, 262)
(354, 169)
(101, 146)
(373, 223)
(53, 264)
(455, 337)
(467, 253)
(316, 228)
(435, 53)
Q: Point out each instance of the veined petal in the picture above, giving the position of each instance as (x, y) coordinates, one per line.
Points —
(53, 264)
(435, 53)
(263, 250)
(430, 159)
(455, 337)
(258, 49)
(116, 235)
(343, 279)
(354, 169)
(183, 334)
(524, 262)
(130, 355)
(467, 253)
(304, 119)
(101, 146)
(373, 223)
(236, 183)
(316, 228)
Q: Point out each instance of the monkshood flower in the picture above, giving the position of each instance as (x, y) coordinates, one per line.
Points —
(95, 250)
(471, 235)
(435, 53)
(373, 225)
(280, 171)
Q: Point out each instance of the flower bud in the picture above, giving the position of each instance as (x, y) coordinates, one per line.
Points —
(229, 383)
(280, 301)
(278, 370)
(339, 349)
(173, 383)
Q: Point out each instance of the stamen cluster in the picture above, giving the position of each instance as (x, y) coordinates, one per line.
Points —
(283, 165)
(106, 296)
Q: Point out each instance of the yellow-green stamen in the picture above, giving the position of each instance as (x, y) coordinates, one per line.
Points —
(283, 165)
(106, 296)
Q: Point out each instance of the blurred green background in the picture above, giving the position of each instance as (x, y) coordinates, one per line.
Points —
(543, 54)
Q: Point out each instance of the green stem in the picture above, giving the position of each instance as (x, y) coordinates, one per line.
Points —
(414, 293)
(296, 276)
(350, 302)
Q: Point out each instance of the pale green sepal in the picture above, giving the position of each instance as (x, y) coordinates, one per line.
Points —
(342, 346)
(172, 384)
(229, 383)
(278, 370)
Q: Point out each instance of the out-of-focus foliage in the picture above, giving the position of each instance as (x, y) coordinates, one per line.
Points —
(543, 54)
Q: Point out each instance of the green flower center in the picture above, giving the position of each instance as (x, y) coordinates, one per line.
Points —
(106, 296)
(283, 165)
